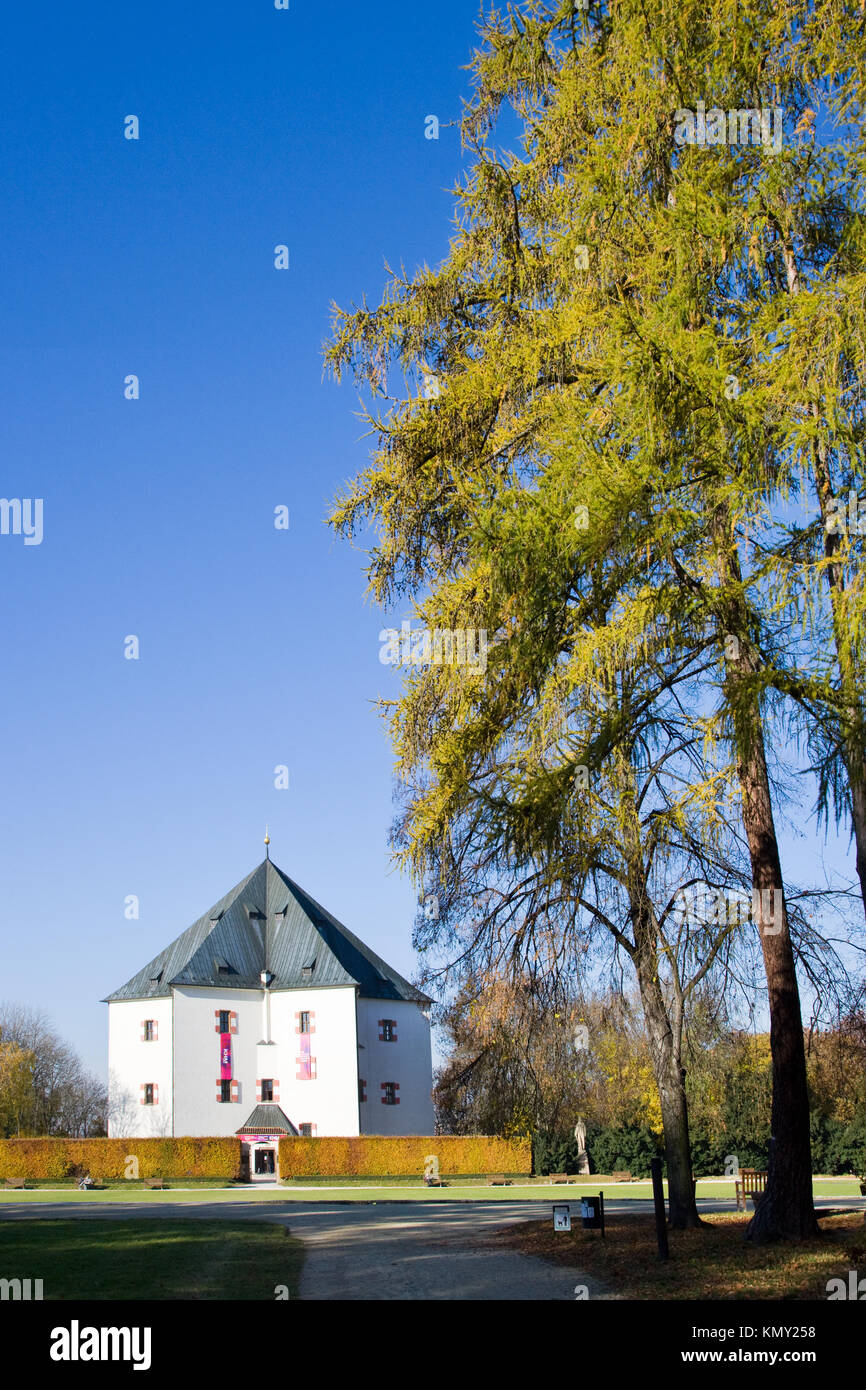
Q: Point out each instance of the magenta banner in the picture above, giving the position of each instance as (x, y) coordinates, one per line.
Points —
(225, 1056)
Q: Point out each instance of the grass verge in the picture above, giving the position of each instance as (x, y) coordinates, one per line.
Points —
(374, 1190)
(149, 1259)
(124, 1184)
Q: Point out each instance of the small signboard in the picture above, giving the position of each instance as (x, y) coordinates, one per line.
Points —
(592, 1213)
(561, 1216)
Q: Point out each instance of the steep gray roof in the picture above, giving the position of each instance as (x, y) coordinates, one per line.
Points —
(268, 1119)
(267, 922)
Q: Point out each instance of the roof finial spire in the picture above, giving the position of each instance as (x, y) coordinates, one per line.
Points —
(267, 844)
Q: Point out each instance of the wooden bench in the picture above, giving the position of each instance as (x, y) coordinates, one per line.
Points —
(620, 1177)
(16, 1182)
(751, 1183)
(498, 1180)
(154, 1182)
(561, 1177)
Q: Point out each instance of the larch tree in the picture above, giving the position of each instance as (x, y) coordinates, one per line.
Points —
(608, 434)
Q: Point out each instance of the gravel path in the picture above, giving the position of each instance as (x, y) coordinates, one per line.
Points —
(432, 1254)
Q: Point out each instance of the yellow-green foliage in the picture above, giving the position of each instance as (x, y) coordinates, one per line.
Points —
(365, 1156)
(371, 1156)
(109, 1158)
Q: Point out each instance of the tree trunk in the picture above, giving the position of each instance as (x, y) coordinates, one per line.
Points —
(666, 1041)
(682, 1208)
(858, 810)
(786, 1210)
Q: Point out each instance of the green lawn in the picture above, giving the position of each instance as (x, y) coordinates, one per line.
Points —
(164, 1259)
(360, 1190)
(71, 1184)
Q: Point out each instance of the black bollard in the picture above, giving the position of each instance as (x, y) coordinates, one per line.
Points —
(659, 1199)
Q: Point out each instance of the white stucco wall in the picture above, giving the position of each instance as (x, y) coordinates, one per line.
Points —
(330, 1102)
(197, 1059)
(407, 1061)
(132, 1062)
(184, 1061)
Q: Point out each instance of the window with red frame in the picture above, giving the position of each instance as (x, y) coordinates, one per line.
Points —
(304, 1026)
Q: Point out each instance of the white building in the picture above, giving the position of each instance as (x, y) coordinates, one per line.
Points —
(268, 1017)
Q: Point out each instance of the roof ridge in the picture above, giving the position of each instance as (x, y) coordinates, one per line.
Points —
(309, 948)
(384, 968)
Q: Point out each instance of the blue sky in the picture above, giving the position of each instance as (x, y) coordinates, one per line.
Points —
(155, 777)
(156, 257)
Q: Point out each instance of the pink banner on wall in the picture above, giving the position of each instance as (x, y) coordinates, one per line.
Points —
(225, 1056)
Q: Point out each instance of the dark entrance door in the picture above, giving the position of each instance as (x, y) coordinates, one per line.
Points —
(265, 1161)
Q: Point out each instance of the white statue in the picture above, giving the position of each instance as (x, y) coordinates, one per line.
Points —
(580, 1136)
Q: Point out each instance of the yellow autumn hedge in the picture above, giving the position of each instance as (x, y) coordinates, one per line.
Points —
(378, 1156)
(109, 1158)
(363, 1156)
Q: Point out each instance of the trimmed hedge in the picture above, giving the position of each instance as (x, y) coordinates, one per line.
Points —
(107, 1158)
(378, 1156)
(836, 1148)
(615, 1149)
(362, 1156)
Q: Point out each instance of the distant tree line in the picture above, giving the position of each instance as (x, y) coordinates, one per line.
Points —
(44, 1088)
(521, 1067)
